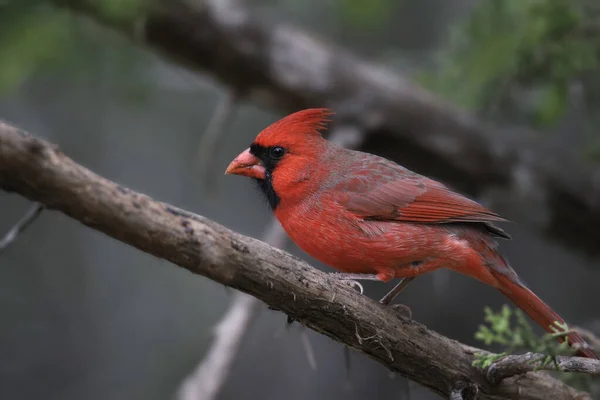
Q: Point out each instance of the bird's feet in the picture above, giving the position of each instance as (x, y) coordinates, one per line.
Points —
(352, 279)
(401, 310)
(356, 277)
(396, 290)
(354, 285)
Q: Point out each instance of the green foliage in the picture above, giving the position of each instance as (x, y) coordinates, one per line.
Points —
(364, 13)
(509, 45)
(500, 330)
(518, 336)
(120, 11)
(553, 102)
(37, 38)
(29, 41)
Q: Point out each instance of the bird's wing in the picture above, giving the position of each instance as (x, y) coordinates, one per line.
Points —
(381, 190)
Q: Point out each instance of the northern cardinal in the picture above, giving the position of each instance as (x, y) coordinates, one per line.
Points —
(374, 219)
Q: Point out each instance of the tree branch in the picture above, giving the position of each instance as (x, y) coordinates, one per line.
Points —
(287, 69)
(519, 364)
(40, 172)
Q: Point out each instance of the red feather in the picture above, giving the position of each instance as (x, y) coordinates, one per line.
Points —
(393, 193)
(309, 122)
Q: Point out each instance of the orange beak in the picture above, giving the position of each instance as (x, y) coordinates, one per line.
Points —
(248, 165)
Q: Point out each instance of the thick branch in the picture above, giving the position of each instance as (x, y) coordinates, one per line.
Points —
(38, 171)
(288, 69)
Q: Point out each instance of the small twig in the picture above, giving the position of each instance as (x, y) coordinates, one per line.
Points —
(408, 393)
(347, 362)
(520, 364)
(310, 353)
(27, 219)
(206, 381)
(213, 137)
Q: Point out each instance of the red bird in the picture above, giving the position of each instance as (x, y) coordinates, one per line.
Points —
(373, 219)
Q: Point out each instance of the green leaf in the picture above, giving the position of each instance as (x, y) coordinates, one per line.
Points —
(120, 11)
(513, 337)
(552, 105)
(32, 40)
(364, 13)
(519, 46)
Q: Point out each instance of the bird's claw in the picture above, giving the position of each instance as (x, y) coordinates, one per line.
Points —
(354, 285)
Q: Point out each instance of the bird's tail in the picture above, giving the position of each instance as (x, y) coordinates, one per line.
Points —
(537, 310)
(489, 266)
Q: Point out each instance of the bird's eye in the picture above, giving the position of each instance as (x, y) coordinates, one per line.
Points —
(277, 152)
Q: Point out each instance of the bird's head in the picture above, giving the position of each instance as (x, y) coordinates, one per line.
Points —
(282, 154)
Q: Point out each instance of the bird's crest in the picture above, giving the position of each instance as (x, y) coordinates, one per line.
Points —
(308, 122)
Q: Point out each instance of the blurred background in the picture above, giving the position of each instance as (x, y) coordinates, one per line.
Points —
(83, 316)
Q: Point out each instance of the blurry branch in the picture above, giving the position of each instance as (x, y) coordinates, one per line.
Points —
(520, 364)
(286, 68)
(28, 218)
(206, 381)
(40, 172)
(211, 140)
(308, 349)
(208, 378)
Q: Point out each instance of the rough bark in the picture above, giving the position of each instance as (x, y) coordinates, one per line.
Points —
(40, 172)
(520, 364)
(287, 69)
